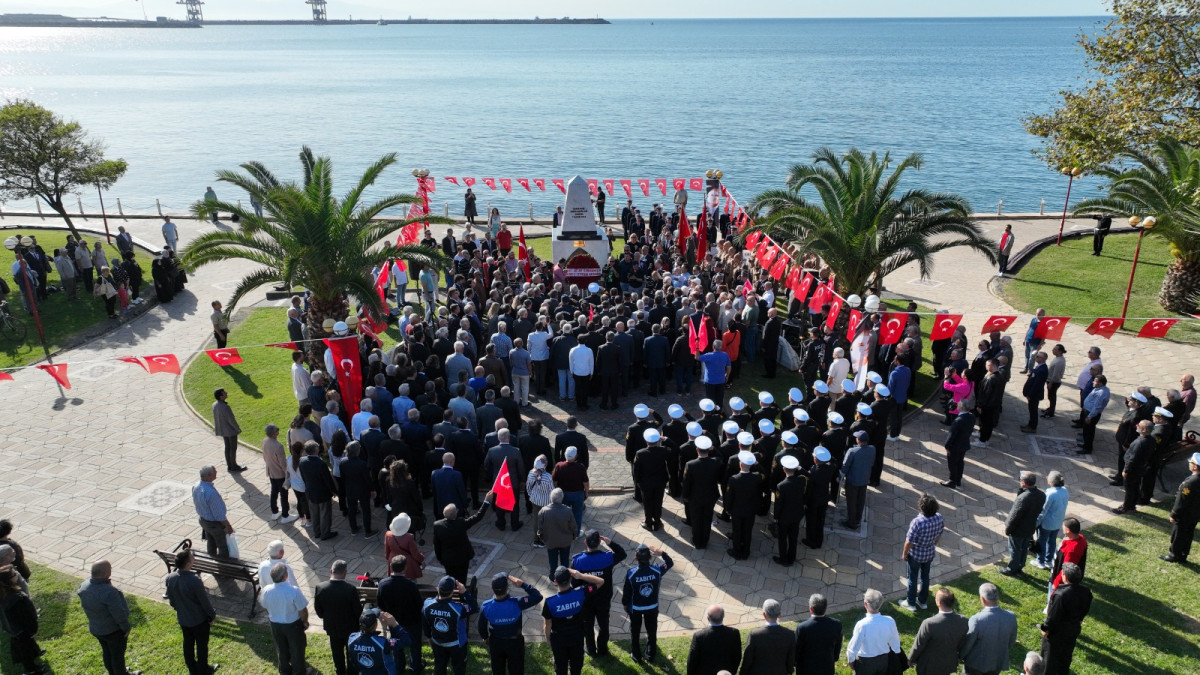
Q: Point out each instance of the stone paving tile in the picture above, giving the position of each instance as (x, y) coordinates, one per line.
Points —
(131, 430)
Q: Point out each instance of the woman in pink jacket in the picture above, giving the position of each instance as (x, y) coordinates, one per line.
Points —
(959, 389)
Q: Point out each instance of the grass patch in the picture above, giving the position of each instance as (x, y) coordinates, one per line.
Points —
(1143, 619)
(1068, 280)
(61, 318)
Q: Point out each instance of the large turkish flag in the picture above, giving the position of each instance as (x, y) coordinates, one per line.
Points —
(349, 372)
(506, 498)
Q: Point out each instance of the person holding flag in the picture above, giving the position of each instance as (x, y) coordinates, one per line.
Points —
(523, 254)
(501, 463)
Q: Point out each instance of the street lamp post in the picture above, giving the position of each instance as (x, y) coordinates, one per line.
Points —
(1071, 173)
(1146, 224)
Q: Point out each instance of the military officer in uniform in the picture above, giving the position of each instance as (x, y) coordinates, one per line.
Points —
(711, 420)
(650, 475)
(701, 477)
(1185, 513)
(789, 508)
(634, 439)
(816, 499)
(742, 497)
(739, 415)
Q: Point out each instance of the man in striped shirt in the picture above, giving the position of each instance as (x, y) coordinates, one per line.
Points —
(920, 545)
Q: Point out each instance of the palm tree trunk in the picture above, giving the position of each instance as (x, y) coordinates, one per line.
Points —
(1181, 286)
(318, 311)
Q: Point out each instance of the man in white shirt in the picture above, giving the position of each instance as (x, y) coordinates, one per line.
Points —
(287, 609)
(581, 362)
(875, 637)
(170, 234)
(400, 276)
(274, 557)
(300, 378)
(362, 419)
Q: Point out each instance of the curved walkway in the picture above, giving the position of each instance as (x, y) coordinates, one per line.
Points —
(107, 473)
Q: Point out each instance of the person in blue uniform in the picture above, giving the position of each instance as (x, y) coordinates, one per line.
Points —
(600, 561)
(640, 597)
(371, 653)
(445, 624)
(563, 618)
(500, 624)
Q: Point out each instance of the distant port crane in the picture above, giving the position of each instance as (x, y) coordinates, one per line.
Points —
(318, 9)
(194, 12)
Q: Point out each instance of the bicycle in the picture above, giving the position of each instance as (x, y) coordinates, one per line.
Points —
(11, 324)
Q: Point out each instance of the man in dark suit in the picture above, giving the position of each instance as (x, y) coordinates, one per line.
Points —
(770, 342)
(451, 544)
(399, 596)
(448, 486)
(716, 647)
(356, 477)
(789, 509)
(319, 488)
(818, 639)
(650, 475)
(771, 649)
(1035, 390)
(1136, 461)
(468, 452)
(505, 451)
(957, 444)
(571, 439)
(701, 478)
(655, 353)
(743, 495)
(1069, 605)
(609, 366)
(940, 638)
(816, 498)
(1022, 523)
(336, 602)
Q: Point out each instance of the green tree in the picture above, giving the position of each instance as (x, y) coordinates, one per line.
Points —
(44, 157)
(858, 224)
(1142, 83)
(308, 237)
(1166, 185)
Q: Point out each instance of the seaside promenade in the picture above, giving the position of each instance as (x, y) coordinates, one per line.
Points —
(107, 472)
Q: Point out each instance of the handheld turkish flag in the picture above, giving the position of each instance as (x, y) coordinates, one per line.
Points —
(540, 183)
(684, 231)
(559, 184)
(891, 327)
(644, 184)
(852, 324)
(506, 183)
(835, 308)
(1104, 327)
(58, 371)
(591, 313)
(662, 185)
(1154, 328)
(506, 498)
(381, 283)
(702, 235)
(285, 345)
(944, 326)
(524, 182)
(1051, 327)
(747, 288)
(523, 253)
(349, 373)
(997, 324)
(490, 182)
(162, 363)
(452, 179)
(134, 360)
(224, 357)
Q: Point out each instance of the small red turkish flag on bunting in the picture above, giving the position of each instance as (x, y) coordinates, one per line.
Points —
(469, 181)
(429, 184)
(679, 183)
(805, 283)
(835, 308)
(593, 186)
(559, 184)
(752, 239)
(540, 183)
(5, 376)
(780, 265)
(524, 182)
(163, 363)
(490, 182)
(793, 279)
(891, 327)
(452, 179)
(944, 326)
(506, 498)
(852, 324)
(1051, 327)
(662, 185)
(58, 371)
(608, 186)
(997, 324)
(644, 184)
(134, 360)
(1156, 328)
(627, 186)
(506, 183)
(697, 183)
(1105, 327)
(285, 345)
(224, 357)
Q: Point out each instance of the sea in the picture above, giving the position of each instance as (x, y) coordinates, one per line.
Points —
(634, 99)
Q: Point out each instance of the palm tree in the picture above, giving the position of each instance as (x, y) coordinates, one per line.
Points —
(858, 225)
(1166, 185)
(310, 238)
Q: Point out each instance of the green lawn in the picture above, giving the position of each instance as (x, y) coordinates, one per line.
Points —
(1143, 620)
(1070, 281)
(61, 319)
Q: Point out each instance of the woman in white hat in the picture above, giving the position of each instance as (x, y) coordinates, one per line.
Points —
(399, 541)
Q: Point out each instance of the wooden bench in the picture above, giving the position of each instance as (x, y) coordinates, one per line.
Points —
(230, 568)
(368, 594)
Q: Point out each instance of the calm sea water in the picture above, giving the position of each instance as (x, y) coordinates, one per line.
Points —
(629, 100)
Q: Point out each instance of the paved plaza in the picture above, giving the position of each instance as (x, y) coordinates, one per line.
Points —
(107, 472)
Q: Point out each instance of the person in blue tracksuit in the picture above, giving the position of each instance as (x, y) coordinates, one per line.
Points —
(598, 559)
(500, 624)
(563, 618)
(640, 597)
(374, 654)
(445, 624)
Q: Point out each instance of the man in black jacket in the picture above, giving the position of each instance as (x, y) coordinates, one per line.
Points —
(655, 354)
(1022, 523)
(356, 477)
(716, 647)
(468, 455)
(701, 476)
(610, 363)
(336, 602)
(1069, 605)
(1135, 462)
(319, 488)
(399, 596)
(451, 543)
(1185, 513)
(770, 342)
(770, 649)
(988, 398)
(789, 509)
(194, 610)
(742, 498)
(650, 475)
(818, 639)
(816, 498)
(1034, 390)
(571, 439)
(957, 444)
